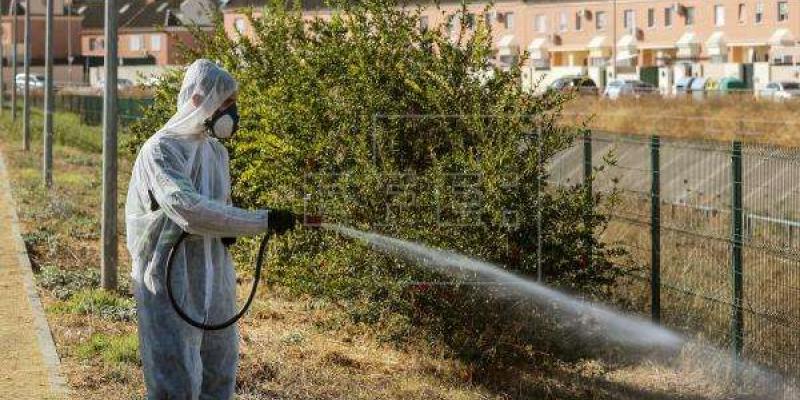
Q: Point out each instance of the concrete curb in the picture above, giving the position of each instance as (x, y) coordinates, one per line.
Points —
(58, 384)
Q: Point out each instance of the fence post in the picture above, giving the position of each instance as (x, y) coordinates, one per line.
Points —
(587, 184)
(655, 229)
(737, 320)
(539, 196)
(587, 161)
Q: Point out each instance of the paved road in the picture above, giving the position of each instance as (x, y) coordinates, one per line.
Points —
(28, 361)
(694, 174)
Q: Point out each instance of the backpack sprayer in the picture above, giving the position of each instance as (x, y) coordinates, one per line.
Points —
(290, 221)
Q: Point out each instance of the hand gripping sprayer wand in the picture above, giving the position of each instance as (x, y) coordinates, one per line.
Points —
(308, 221)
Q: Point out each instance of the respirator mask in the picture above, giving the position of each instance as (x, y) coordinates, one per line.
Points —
(224, 124)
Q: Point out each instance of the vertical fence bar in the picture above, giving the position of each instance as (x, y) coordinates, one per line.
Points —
(655, 229)
(737, 317)
(587, 184)
(587, 161)
(539, 177)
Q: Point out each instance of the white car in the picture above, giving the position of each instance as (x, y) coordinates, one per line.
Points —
(122, 83)
(783, 90)
(34, 81)
(628, 87)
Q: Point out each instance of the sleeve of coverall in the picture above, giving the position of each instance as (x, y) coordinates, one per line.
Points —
(193, 212)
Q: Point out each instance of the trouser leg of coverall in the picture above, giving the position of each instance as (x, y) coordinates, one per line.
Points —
(170, 349)
(220, 355)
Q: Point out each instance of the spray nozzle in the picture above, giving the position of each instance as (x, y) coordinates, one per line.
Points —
(312, 221)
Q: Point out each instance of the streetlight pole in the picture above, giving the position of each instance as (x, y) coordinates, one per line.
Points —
(614, 41)
(109, 228)
(69, 41)
(47, 162)
(26, 114)
(2, 67)
(14, 62)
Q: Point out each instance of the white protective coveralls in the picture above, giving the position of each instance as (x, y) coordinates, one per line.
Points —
(181, 182)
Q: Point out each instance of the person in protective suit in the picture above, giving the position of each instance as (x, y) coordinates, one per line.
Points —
(181, 183)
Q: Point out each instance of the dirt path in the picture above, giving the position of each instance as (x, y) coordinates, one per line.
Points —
(29, 363)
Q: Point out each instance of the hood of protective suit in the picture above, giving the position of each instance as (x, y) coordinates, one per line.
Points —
(206, 83)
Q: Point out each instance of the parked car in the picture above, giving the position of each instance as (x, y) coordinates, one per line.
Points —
(34, 81)
(781, 90)
(628, 87)
(698, 88)
(122, 83)
(684, 85)
(732, 85)
(580, 84)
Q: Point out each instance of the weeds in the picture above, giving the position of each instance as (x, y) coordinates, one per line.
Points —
(115, 349)
(63, 284)
(101, 303)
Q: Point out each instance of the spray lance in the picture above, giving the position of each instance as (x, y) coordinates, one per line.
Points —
(280, 221)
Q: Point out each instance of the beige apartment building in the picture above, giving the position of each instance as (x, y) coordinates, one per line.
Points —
(657, 40)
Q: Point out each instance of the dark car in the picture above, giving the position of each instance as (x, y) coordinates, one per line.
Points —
(579, 84)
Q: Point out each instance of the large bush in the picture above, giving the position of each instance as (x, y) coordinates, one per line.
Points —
(402, 131)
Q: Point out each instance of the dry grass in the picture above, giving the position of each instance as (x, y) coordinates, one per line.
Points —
(723, 118)
(291, 348)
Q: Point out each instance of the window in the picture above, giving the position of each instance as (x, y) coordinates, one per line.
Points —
(759, 12)
(719, 15)
(651, 17)
(629, 20)
(490, 17)
(578, 21)
(423, 23)
(668, 16)
(239, 24)
(540, 22)
(453, 24)
(742, 13)
(155, 42)
(601, 20)
(689, 16)
(562, 22)
(470, 21)
(783, 11)
(135, 42)
(92, 43)
(509, 20)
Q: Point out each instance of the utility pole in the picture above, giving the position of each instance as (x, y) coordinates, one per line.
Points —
(14, 62)
(109, 229)
(614, 40)
(26, 113)
(69, 41)
(48, 98)
(2, 68)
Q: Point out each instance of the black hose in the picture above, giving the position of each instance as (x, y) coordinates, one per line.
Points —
(214, 327)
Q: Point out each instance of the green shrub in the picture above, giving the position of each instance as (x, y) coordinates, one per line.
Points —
(390, 128)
